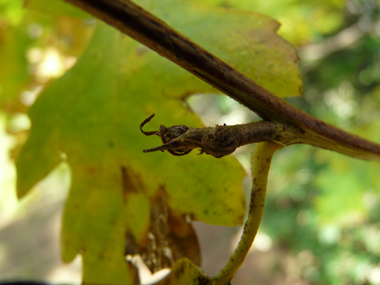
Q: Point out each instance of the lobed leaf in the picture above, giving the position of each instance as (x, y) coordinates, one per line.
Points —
(92, 115)
(121, 200)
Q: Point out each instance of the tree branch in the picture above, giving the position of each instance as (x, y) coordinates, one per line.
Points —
(147, 29)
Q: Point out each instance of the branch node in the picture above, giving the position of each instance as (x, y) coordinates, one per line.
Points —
(217, 141)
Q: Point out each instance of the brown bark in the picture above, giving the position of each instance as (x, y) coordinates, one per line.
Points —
(299, 126)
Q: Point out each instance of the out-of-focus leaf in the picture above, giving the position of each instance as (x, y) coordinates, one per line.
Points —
(342, 197)
(13, 68)
(11, 11)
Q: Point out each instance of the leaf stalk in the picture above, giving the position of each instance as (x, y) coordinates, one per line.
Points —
(261, 158)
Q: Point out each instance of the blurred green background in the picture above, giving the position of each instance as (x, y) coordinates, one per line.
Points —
(321, 222)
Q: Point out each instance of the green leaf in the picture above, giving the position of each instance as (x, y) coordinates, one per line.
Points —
(92, 115)
(341, 197)
(123, 201)
(11, 11)
(14, 75)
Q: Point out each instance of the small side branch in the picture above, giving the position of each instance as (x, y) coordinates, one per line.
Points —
(260, 163)
(217, 141)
